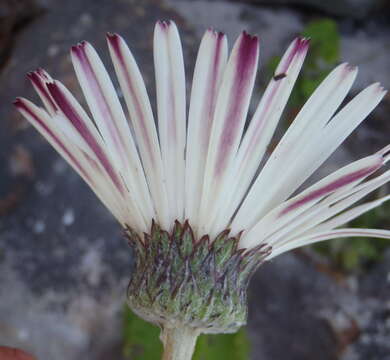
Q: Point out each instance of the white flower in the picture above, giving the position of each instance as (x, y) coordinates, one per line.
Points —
(205, 169)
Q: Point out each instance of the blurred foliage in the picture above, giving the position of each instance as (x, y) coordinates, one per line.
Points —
(355, 253)
(140, 338)
(323, 56)
(224, 346)
(141, 342)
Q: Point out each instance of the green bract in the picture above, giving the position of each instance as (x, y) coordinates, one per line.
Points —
(193, 282)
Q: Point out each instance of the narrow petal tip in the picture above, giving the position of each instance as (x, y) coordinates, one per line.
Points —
(164, 24)
(380, 88)
(349, 69)
(79, 48)
(215, 33)
(248, 51)
(23, 105)
(376, 89)
(113, 37)
(114, 41)
(18, 102)
(248, 38)
(38, 77)
(301, 43)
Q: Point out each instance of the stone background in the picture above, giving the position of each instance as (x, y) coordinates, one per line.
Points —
(64, 265)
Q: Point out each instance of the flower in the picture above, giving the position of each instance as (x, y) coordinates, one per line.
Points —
(208, 216)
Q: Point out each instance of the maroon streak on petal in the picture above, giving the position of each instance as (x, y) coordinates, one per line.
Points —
(38, 78)
(76, 120)
(331, 187)
(300, 47)
(296, 54)
(21, 105)
(80, 52)
(164, 25)
(245, 68)
(115, 41)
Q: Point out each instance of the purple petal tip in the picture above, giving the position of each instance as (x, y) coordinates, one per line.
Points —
(18, 102)
(80, 47)
(113, 38)
(164, 24)
(248, 37)
(216, 33)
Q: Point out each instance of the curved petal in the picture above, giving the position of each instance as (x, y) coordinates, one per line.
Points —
(141, 117)
(293, 208)
(261, 129)
(210, 63)
(171, 109)
(228, 124)
(335, 234)
(111, 122)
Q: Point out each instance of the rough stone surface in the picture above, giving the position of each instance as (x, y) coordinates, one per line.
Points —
(12, 16)
(298, 313)
(352, 8)
(63, 263)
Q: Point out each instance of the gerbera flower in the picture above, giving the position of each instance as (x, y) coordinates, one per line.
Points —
(199, 213)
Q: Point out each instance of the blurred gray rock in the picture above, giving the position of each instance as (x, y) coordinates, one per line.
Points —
(350, 8)
(13, 15)
(64, 265)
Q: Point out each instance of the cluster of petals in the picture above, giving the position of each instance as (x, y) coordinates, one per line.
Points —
(212, 168)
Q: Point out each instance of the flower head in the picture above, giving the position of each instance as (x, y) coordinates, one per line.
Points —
(202, 173)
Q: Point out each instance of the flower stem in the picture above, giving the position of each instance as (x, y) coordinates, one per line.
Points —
(179, 342)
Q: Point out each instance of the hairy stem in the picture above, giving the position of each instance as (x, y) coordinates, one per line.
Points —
(179, 342)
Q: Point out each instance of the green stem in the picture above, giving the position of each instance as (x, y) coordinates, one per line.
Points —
(179, 343)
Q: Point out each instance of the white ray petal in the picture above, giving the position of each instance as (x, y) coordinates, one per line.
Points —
(91, 138)
(210, 63)
(110, 119)
(287, 211)
(351, 214)
(261, 128)
(141, 117)
(229, 119)
(281, 174)
(39, 79)
(69, 151)
(334, 234)
(333, 205)
(171, 108)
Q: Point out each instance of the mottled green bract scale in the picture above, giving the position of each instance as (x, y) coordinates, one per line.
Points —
(179, 279)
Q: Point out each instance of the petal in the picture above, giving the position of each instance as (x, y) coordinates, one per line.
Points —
(334, 234)
(261, 128)
(351, 214)
(141, 117)
(39, 79)
(283, 214)
(111, 122)
(286, 170)
(211, 61)
(228, 124)
(333, 205)
(91, 174)
(74, 113)
(171, 109)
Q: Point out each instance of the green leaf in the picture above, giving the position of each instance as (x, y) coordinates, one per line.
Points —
(141, 342)
(325, 41)
(140, 339)
(225, 346)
